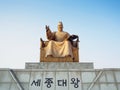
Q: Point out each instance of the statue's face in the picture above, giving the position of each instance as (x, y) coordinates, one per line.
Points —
(60, 28)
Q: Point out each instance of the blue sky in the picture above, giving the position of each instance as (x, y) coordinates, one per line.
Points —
(97, 22)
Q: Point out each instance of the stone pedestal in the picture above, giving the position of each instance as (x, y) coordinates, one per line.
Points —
(59, 76)
(59, 65)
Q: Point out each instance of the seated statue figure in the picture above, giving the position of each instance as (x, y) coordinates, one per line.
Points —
(60, 43)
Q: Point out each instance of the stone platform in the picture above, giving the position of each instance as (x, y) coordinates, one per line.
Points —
(59, 76)
(59, 65)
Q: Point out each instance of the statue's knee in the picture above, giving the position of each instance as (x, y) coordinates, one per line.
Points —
(51, 42)
(67, 42)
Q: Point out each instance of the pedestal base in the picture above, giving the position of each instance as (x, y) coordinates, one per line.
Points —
(59, 65)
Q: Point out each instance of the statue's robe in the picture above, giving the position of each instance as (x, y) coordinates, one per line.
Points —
(58, 45)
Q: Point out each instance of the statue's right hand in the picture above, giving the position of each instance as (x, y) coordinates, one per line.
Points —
(47, 28)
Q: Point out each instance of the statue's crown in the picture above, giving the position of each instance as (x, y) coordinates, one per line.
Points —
(60, 24)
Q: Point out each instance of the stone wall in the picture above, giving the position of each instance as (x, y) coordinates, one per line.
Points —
(60, 79)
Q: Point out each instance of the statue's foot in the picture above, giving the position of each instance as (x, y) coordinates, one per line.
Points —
(50, 56)
(68, 56)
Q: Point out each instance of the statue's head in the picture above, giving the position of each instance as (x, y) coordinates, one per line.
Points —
(60, 26)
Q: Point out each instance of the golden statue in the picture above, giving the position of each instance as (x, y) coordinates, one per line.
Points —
(60, 47)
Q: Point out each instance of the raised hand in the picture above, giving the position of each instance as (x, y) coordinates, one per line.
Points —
(47, 28)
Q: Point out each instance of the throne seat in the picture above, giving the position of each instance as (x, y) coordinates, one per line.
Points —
(75, 58)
